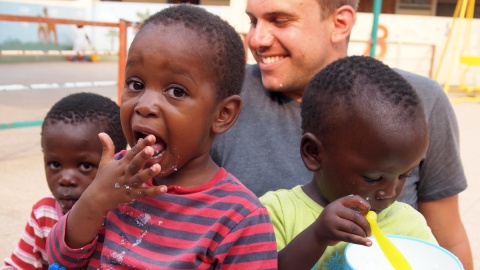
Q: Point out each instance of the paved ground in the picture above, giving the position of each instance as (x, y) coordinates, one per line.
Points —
(21, 167)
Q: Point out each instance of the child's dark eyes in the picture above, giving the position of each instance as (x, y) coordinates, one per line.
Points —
(54, 165)
(134, 85)
(176, 92)
(86, 167)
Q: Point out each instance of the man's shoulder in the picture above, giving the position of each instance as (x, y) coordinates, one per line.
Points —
(416, 79)
(430, 92)
(254, 94)
(419, 82)
(253, 79)
(252, 69)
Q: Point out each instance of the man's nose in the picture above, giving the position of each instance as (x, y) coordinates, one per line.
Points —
(260, 36)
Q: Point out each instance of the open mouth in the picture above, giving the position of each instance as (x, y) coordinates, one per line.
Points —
(159, 146)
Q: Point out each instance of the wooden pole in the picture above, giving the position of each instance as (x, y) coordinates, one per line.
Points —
(122, 58)
(38, 19)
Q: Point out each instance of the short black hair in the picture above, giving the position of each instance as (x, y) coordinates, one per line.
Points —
(334, 89)
(224, 42)
(85, 107)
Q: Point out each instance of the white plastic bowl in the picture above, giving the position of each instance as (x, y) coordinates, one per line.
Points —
(420, 254)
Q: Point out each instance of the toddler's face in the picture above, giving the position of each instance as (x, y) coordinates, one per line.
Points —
(371, 162)
(71, 156)
(170, 93)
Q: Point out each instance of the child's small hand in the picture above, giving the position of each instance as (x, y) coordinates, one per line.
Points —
(121, 181)
(117, 182)
(344, 220)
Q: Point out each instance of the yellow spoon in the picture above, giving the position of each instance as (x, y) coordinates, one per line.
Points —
(394, 256)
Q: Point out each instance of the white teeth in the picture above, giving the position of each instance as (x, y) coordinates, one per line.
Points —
(271, 60)
(158, 154)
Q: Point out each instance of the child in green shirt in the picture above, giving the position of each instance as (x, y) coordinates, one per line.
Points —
(373, 134)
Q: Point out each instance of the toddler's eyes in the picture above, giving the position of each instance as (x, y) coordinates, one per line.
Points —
(372, 179)
(86, 167)
(134, 85)
(176, 92)
(53, 165)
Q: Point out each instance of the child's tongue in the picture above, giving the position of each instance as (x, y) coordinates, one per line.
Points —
(158, 148)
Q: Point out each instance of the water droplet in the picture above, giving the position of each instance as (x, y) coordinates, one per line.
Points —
(142, 219)
(117, 185)
(139, 240)
(117, 257)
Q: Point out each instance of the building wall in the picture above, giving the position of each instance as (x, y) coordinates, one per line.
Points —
(388, 6)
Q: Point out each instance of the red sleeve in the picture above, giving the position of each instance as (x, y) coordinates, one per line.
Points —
(30, 251)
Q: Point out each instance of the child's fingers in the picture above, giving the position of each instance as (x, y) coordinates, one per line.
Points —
(360, 208)
(138, 155)
(142, 176)
(138, 162)
(356, 203)
(138, 148)
(352, 224)
(355, 239)
(352, 213)
(154, 191)
(108, 147)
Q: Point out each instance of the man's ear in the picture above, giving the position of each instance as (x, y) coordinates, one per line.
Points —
(343, 20)
(311, 150)
(226, 113)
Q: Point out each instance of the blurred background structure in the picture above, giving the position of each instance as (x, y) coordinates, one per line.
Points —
(410, 32)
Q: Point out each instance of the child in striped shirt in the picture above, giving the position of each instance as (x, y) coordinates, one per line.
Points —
(165, 204)
(72, 153)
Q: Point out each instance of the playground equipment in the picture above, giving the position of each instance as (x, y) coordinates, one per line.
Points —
(464, 10)
(377, 7)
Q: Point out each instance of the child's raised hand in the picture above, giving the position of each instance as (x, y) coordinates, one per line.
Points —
(344, 220)
(121, 181)
(117, 182)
